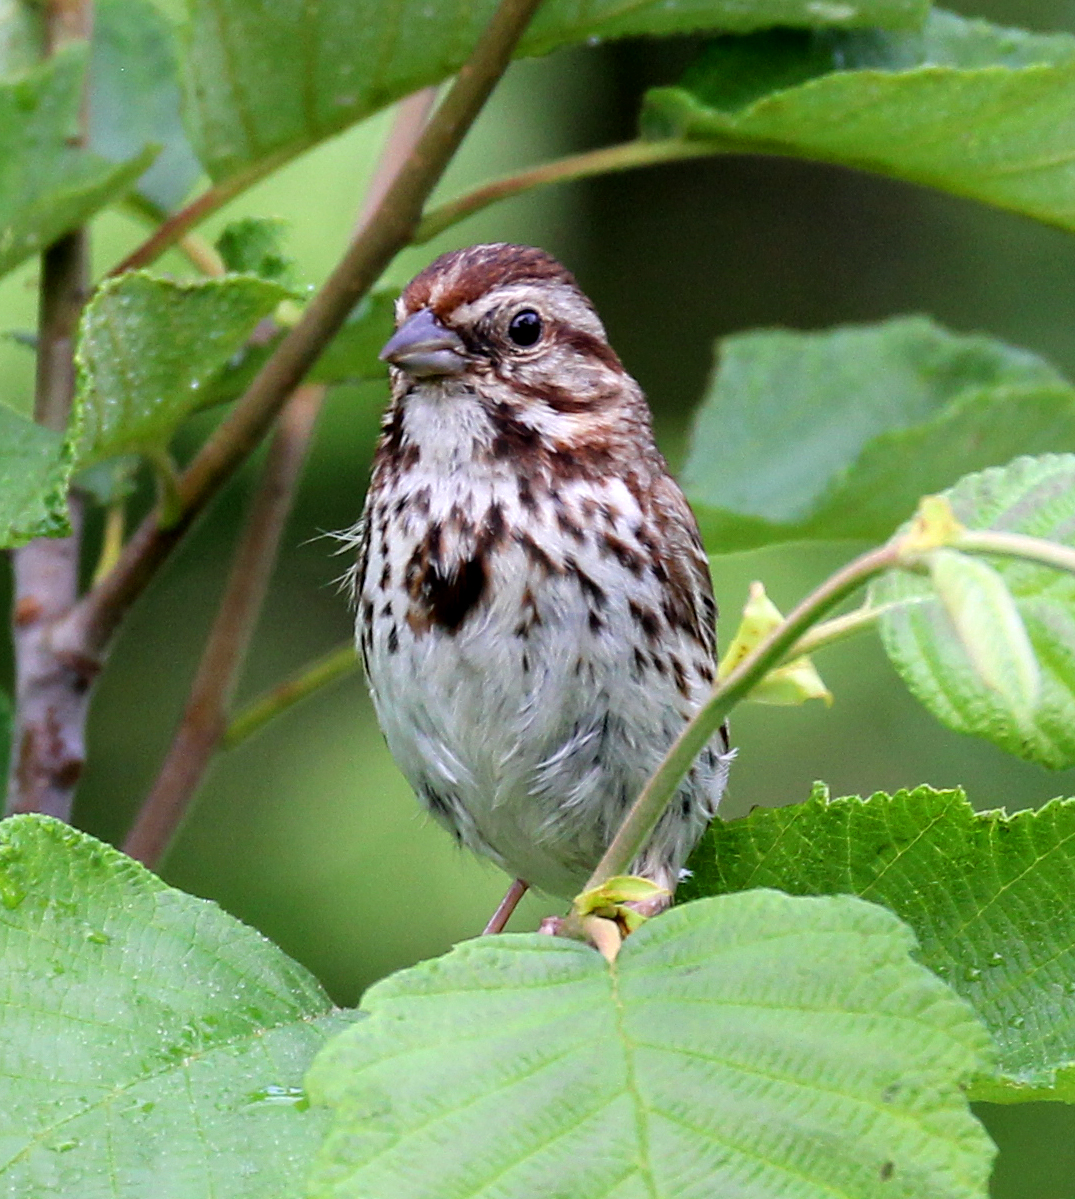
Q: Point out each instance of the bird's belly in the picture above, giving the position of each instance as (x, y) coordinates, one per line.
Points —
(528, 737)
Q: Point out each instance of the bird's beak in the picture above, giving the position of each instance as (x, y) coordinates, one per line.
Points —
(424, 348)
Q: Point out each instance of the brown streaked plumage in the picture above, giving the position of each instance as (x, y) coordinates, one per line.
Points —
(534, 606)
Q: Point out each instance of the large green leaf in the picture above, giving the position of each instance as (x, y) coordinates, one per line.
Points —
(47, 185)
(1034, 496)
(960, 105)
(987, 894)
(267, 78)
(35, 468)
(135, 97)
(752, 1045)
(837, 434)
(148, 345)
(149, 1043)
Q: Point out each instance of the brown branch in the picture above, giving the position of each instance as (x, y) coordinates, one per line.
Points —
(205, 717)
(51, 695)
(88, 629)
(204, 726)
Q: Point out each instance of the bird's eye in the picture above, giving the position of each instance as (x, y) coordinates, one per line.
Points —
(524, 328)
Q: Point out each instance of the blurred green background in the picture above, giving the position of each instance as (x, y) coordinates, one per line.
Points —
(307, 831)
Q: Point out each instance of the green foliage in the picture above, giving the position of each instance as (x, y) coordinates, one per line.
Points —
(892, 103)
(266, 80)
(148, 346)
(351, 356)
(1034, 496)
(135, 98)
(753, 1044)
(35, 469)
(253, 246)
(47, 185)
(837, 434)
(987, 894)
(146, 1037)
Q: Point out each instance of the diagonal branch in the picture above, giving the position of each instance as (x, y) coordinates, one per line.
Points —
(204, 726)
(205, 717)
(89, 628)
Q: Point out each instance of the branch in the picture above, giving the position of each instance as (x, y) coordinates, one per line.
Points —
(625, 157)
(334, 665)
(90, 626)
(204, 719)
(203, 726)
(647, 810)
(51, 695)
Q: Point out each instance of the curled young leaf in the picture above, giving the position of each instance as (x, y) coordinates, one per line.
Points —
(987, 622)
(793, 683)
(961, 652)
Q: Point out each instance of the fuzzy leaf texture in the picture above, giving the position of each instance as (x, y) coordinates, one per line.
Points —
(149, 1042)
(35, 470)
(1035, 496)
(49, 186)
(147, 348)
(837, 434)
(959, 105)
(135, 98)
(753, 1045)
(268, 79)
(988, 895)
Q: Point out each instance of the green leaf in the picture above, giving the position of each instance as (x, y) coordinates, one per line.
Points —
(987, 894)
(22, 36)
(47, 185)
(147, 346)
(266, 80)
(960, 105)
(135, 98)
(838, 433)
(1034, 496)
(35, 468)
(253, 245)
(752, 1045)
(987, 622)
(149, 1043)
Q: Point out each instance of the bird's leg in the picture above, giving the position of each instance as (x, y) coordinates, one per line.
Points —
(505, 908)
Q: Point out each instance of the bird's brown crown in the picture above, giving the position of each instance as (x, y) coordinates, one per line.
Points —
(463, 276)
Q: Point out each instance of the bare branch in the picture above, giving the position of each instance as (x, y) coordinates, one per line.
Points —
(205, 717)
(51, 695)
(87, 631)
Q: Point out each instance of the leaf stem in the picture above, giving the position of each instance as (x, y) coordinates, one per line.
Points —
(829, 632)
(90, 626)
(203, 722)
(642, 819)
(1016, 545)
(626, 156)
(334, 665)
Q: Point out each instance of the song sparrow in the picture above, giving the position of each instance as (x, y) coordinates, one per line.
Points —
(534, 607)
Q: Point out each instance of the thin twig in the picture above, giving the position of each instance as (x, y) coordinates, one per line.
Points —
(51, 695)
(205, 717)
(90, 626)
(334, 665)
(505, 907)
(627, 156)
